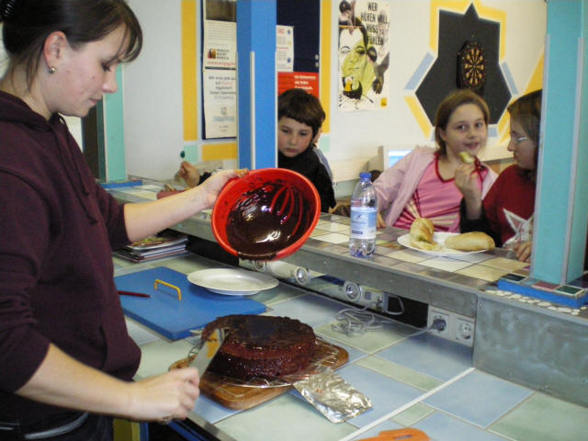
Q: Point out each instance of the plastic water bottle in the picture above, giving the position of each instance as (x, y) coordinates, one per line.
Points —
(364, 212)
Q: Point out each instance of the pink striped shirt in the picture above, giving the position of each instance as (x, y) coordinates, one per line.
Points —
(435, 198)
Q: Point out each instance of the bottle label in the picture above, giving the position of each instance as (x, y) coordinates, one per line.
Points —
(363, 222)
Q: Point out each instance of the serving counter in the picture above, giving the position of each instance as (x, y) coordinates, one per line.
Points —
(524, 354)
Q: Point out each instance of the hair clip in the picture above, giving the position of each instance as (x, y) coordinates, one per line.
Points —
(8, 7)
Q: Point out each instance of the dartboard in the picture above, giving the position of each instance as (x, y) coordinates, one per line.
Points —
(471, 64)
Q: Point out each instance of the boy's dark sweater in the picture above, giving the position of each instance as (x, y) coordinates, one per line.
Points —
(308, 164)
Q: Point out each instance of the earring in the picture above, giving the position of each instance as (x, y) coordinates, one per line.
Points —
(52, 69)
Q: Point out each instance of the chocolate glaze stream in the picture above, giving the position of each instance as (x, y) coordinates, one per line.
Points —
(266, 220)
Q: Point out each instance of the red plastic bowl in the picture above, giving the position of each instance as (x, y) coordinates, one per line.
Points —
(266, 215)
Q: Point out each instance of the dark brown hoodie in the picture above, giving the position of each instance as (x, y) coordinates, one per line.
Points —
(57, 231)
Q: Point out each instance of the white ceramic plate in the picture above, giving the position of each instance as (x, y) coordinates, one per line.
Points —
(232, 282)
(440, 238)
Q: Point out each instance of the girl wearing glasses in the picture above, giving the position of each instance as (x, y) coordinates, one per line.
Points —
(506, 213)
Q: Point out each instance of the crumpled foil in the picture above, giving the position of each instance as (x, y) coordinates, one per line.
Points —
(333, 396)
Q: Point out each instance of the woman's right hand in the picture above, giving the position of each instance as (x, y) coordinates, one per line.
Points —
(165, 397)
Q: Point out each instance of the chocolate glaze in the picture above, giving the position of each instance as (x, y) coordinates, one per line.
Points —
(268, 219)
(261, 346)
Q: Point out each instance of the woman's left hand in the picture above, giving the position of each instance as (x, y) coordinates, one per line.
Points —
(145, 218)
(214, 184)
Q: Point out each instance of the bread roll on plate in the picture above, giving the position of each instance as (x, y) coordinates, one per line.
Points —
(422, 230)
(421, 234)
(472, 241)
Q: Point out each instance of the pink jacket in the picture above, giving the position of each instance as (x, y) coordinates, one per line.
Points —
(396, 185)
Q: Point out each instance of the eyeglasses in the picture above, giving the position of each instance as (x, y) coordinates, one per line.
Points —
(520, 139)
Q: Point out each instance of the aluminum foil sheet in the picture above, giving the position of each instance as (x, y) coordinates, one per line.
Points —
(333, 396)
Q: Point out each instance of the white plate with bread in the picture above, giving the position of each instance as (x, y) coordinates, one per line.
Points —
(450, 244)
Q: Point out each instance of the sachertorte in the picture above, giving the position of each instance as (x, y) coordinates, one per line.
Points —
(261, 346)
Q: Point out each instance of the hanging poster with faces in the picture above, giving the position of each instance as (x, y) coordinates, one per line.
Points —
(364, 54)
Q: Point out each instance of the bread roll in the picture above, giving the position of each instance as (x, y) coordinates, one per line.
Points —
(421, 234)
(466, 157)
(472, 241)
(422, 230)
(422, 245)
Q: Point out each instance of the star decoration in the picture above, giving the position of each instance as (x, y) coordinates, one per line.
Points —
(454, 30)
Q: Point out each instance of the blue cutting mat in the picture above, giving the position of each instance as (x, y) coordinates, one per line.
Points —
(174, 319)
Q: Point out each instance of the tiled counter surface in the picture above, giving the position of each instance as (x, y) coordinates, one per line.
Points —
(413, 379)
(393, 266)
(473, 272)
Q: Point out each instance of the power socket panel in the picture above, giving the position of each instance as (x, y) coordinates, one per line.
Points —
(458, 328)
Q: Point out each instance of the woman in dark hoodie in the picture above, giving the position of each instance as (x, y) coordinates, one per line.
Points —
(66, 358)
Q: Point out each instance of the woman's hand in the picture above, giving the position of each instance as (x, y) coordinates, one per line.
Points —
(145, 218)
(523, 250)
(63, 381)
(164, 397)
(214, 184)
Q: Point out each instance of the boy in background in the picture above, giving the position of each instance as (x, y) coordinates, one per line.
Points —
(300, 117)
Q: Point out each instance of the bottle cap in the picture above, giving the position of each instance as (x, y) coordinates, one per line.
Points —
(365, 175)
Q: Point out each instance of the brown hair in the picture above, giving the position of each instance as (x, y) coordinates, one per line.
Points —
(302, 106)
(526, 110)
(448, 106)
(28, 23)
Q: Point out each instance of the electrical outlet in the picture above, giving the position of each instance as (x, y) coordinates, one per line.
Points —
(464, 330)
(458, 328)
(439, 314)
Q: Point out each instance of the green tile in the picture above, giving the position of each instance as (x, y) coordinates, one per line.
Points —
(372, 341)
(544, 418)
(273, 421)
(400, 373)
(277, 295)
(121, 263)
(186, 264)
(413, 414)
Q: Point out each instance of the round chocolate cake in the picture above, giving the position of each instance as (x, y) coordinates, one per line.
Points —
(261, 346)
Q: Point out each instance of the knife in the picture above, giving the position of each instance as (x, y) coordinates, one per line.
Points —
(208, 351)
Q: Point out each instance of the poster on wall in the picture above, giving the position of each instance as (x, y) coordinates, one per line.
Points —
(363, 55)
(219, 76)
(219, 47)
(220, 103)
(284, 48)
(308, 81)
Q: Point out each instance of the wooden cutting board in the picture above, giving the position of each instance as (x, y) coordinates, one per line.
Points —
(239, 397)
